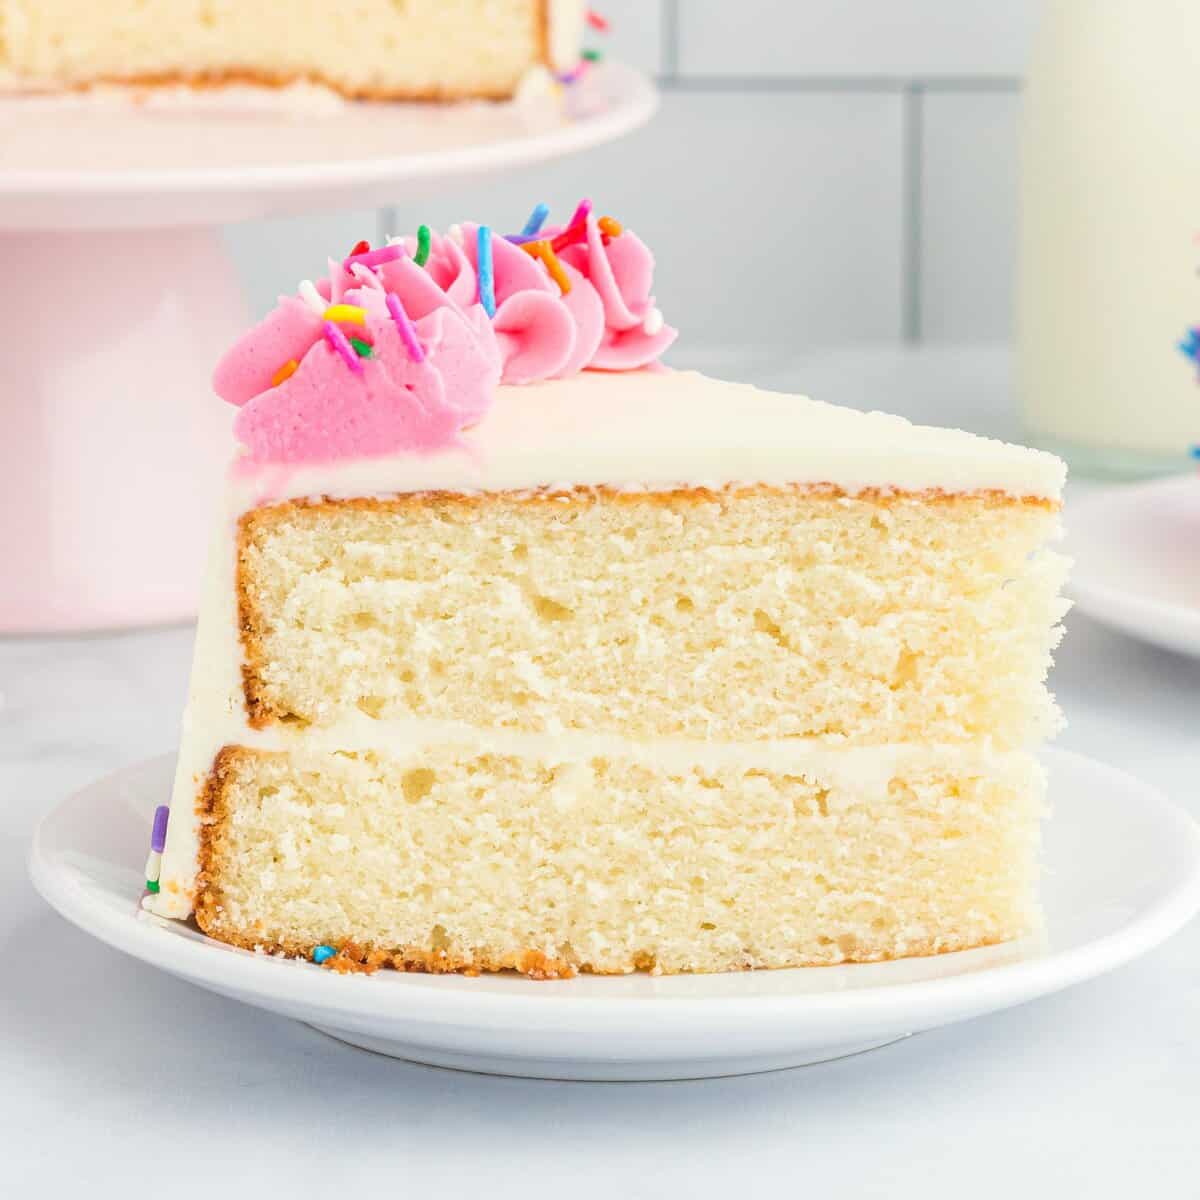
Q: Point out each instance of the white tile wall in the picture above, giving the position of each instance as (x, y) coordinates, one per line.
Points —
(786, 256)
(854, 38)
(635, 33)
(968, 215)
(273, 256)
(848, 167)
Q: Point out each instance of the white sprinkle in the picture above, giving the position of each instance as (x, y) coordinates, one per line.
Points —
(455, 234)
(153, 865)
(396, 239)
(313, 298)
(366, 276)
(654, 322)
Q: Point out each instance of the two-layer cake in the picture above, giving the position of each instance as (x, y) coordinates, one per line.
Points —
(521, 651)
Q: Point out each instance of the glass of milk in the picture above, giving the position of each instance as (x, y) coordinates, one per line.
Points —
(1110, 212)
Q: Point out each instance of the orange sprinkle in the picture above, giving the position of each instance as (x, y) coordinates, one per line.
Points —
(542, 249)
(288, 369)
(610, 227)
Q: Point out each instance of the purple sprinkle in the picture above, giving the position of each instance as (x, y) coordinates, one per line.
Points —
(575, 74)
(408, 331)
(521, 239)
(158, 834)
(337, 339)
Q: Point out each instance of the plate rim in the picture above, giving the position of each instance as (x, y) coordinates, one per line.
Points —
(1160, 622)
(635, 101)
(939, 1000)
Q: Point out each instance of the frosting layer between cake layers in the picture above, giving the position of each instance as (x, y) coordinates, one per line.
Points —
(653, 430)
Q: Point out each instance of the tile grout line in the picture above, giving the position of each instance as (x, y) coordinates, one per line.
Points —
(983, 84)
(386, 221)
(669, 32)
(911, 200)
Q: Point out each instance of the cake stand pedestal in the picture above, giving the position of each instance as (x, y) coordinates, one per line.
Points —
(121, 298)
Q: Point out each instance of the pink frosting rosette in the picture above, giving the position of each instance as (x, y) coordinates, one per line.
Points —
(386, 356)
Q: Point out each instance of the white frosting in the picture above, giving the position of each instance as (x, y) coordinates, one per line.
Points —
(564, 32)
(660, 428)
(649, 429)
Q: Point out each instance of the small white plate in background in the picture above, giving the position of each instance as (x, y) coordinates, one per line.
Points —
(1137, 560)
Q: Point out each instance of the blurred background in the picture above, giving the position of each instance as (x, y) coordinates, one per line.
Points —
(823, 173)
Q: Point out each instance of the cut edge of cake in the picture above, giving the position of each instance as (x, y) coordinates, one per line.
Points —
(545, 445)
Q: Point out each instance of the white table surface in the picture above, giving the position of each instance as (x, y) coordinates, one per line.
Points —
(117, 1077)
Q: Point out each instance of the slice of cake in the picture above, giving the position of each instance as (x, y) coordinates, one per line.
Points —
(370, 49)
(521, 651)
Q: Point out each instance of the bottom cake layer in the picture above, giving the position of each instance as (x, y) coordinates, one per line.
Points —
(449, 859)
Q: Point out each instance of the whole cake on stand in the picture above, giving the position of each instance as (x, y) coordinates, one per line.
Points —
(519, 650)
(114, 197)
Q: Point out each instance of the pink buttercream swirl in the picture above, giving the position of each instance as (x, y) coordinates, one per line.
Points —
(325, 411)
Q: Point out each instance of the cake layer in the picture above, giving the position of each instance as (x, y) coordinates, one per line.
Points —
(426, 49)
(445, 857)
(741, 614)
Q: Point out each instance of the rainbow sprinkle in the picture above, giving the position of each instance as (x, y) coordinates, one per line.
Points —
(537, 219)
(408, 332)
(581, 213)
(375, 258)
(288, 369)
(596, 21)
(610, 228)
(592, 56)
(487, 281)
(313, 298)
(158, 831)
(544, 251)
(337, 339)
(575, 74)
(1190, 345)
(322, 954)
(346, 312)
(361, 348)
(423, 238)
(158, 843)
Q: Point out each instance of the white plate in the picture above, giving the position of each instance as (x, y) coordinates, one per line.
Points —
(102, 162)
(1137, 560)
(1123, 873)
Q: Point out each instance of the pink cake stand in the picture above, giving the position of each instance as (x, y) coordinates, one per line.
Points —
(122, 297)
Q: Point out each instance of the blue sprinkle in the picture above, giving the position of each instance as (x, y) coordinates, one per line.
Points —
(1195, 452)
(322, 954)
(487, 282)
(537, 219)
(1190, 345)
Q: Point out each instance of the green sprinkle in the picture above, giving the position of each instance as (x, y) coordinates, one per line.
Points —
(593, 55)
(422, 255)
(361, 348)
(152, 886)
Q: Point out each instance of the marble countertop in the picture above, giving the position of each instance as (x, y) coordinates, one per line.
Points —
(119, 1078)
